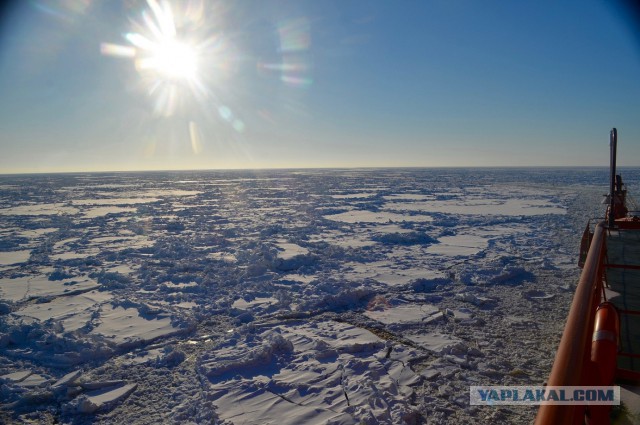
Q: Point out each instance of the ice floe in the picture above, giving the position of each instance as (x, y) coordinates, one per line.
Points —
(95, 400)
(40, 286)
(323, 372)
(302, 296)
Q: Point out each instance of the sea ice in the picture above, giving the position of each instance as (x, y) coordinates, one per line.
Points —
(17, 376)
(406, 314)
(390, 274)
(311, 372)
(283, 296)
(39, 286)
(8, 258)
(488, 206)
(73, 311)
(126, 325)
(39, 210)
(99, 399)
(362, 216)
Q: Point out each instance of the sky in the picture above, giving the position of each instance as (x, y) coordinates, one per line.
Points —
(88, 85)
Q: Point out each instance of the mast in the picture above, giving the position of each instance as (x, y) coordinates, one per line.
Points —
(613, 144)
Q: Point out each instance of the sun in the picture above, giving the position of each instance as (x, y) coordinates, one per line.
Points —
(158, 49)
(170, 59)
(166, 51)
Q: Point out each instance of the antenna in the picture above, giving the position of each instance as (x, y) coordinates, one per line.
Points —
(613, 144)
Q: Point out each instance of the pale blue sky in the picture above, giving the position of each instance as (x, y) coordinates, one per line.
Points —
(321, 84)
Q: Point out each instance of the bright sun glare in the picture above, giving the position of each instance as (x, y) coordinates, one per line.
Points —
(171, 59)
(157, 48)
(162, 52)
(181, 57)
(165, 56)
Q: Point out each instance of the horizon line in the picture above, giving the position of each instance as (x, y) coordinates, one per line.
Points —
(397, 167)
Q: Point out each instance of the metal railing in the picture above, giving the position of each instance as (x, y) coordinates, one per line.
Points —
(574, 351)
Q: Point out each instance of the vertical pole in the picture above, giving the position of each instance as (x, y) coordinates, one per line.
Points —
(613, 144)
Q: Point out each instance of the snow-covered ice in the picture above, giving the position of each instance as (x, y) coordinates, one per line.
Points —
(122, 325)
(99, 399)
(41, 286)
(302, 296)
(360, 216)
(15, 257)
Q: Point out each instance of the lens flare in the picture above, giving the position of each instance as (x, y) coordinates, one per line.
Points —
(295, 41)
(192, 62)
(194, 135)
(167, 56)
(166, 59)
(109, 49)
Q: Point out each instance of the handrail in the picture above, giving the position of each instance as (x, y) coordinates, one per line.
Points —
(575, 346)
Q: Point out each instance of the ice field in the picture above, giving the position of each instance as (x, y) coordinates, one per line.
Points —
(353, 296)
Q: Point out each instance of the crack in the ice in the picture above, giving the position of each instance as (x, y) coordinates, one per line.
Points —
(383, 334)
(344, 389)
(346, 396)
(43, 299)
(287, 399)
(26, 297)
